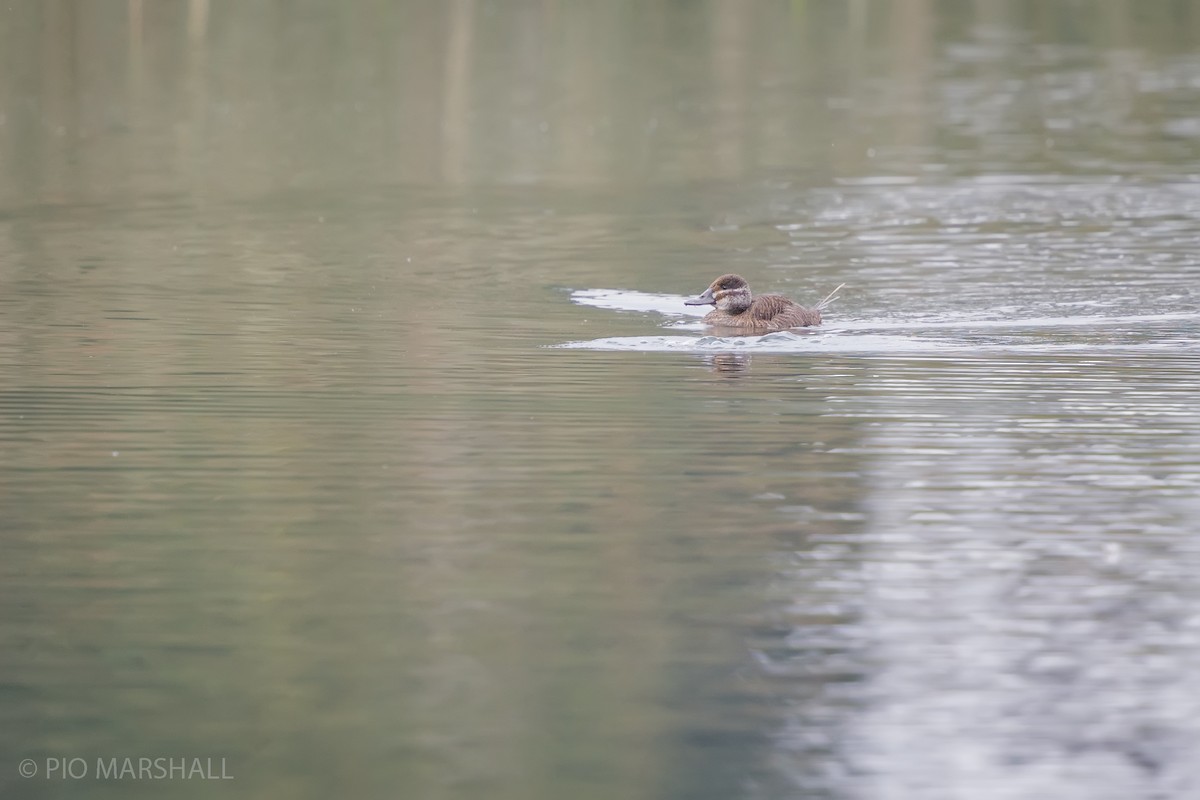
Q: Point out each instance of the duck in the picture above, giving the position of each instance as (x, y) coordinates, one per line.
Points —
(737, 308)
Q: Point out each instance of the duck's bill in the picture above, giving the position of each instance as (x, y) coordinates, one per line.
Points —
(705, 299)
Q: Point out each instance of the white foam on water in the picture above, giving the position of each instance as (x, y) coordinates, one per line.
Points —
(622, 300)
(851, 335)
(778, 342)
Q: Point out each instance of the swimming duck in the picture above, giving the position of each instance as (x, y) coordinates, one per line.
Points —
(736, 308)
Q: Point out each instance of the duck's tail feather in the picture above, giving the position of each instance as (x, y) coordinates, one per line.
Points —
(824, 304)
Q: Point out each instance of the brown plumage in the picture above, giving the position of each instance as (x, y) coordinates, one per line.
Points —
(737, 308)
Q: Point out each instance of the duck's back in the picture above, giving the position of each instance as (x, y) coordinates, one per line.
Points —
(771, 312)
(780, 312)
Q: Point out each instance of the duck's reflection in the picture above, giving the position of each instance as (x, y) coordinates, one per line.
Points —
(730, 365)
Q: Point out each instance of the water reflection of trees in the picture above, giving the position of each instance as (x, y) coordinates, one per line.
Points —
(249, 97)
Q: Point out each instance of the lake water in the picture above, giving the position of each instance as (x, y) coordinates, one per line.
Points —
(353, 431)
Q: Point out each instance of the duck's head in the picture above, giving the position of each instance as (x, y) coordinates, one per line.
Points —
(729, 293)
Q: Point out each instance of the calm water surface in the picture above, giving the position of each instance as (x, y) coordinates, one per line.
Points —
(352, 429)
